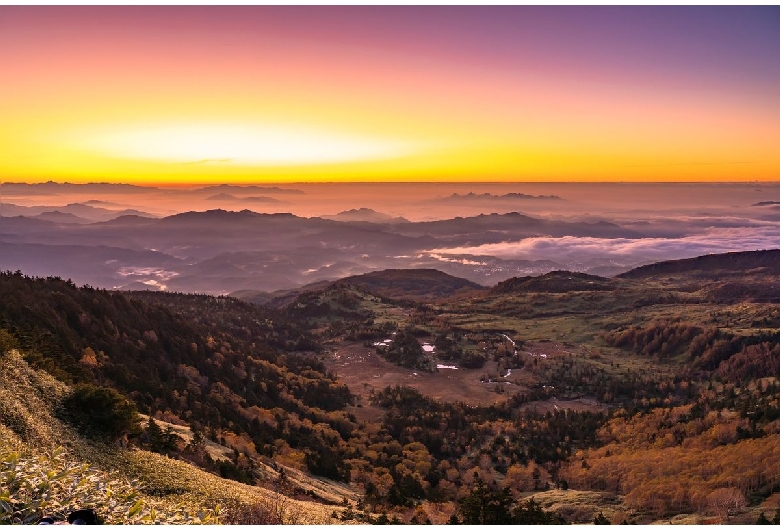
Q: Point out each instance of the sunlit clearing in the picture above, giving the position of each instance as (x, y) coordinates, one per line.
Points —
(262, 145)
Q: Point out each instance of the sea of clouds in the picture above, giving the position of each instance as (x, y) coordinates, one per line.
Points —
(571, 248)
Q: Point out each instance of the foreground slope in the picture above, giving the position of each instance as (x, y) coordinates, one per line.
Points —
(147, 487)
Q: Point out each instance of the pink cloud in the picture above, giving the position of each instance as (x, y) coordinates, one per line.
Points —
(711, 241)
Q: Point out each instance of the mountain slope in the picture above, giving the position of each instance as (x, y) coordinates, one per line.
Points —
(410, 283)
(731, 277)
(617, 387)
(223, 363)
(554, 282)
(758, 261)
(32, 432)
(416, 284)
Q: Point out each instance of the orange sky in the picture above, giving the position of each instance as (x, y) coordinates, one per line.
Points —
(264, 94)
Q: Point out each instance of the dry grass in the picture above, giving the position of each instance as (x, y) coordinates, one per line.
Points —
(579, 506)
(184, 482)
(27, 424)
(27, 398)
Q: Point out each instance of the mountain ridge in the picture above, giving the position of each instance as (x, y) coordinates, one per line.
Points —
(728, 262)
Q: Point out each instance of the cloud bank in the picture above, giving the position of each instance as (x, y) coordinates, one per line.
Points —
(713, 241)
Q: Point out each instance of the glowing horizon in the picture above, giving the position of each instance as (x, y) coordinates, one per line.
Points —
(171, 95)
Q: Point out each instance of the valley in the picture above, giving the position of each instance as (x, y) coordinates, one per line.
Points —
(411, 391)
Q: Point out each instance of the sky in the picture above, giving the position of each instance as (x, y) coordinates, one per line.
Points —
(197, 94)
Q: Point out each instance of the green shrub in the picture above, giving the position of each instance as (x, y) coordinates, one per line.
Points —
(100, 412)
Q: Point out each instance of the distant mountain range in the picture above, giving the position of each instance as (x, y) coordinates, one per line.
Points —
(481, 197)
(54, 188)
(232, 188)
(220, 251)
(70, 213)
(61, 217)
(366, 215)
(233, 198)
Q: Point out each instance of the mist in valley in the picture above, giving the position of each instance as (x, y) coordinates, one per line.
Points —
(220, 239)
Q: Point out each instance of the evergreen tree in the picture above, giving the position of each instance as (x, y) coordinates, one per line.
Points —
(153, 435)
(483, 506)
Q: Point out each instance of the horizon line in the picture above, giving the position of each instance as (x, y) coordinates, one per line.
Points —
(363, 182)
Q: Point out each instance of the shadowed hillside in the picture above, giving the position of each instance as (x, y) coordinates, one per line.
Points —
(760, 261)
(554, 282)
(411, 283)
(415, 284)
(735, 276)
(222, 363)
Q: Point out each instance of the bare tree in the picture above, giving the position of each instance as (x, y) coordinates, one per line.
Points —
(726, 501)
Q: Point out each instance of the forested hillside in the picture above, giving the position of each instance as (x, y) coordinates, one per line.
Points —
(222, 364)
(565, 397)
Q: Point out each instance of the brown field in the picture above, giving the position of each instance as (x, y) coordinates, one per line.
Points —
(362, 370)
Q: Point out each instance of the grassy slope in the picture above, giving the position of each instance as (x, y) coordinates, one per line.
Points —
(28, 398)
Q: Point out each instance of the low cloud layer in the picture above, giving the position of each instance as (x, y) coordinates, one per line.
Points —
(713, 241)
